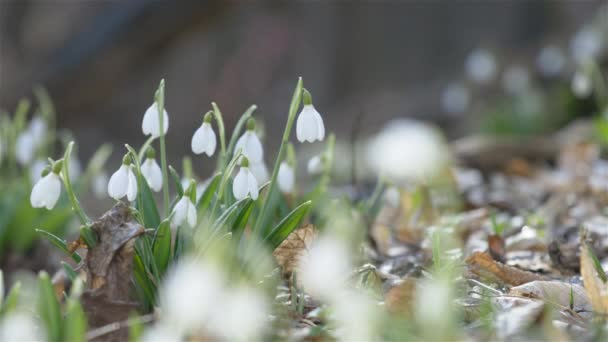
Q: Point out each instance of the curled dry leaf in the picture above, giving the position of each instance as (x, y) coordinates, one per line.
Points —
(595, 287)
(294, 248)
(482, 265)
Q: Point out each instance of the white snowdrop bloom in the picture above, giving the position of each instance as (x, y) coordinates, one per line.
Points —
(309, 126)
(99, 185)
(184, 211)
(551, 61)
(408, 150)
(25, 147)
(151, 123)
(480, 66)
(190, 295)
(455, 98)
(251, 146)
(245, 183)
(244, 308)
(46, 191)
(153, 174)
(286, 178)
(328, 259)
(585, 45)
(20, 326)
(204, 140)
(516, 79)
(581, 85)
(123, 182)
(260, 172)
(433, 303)
(392, 196)
(36, 169)
(37, 127)
(160, 332)
(315, 165)
(355, 316)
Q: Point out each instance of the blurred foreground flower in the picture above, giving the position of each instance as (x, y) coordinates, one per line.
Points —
(408, 150)
(151, 122)
(20, 327)
(244, 182)
(46, 191)
(204, 140)
(123, 182)
(243, 316)
(309, 126)
(328, 259)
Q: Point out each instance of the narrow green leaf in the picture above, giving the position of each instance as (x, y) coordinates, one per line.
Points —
(205, 200)
(88, 236)
(161, 247)
(48, 308)
(149, 210)
(241, 221)
(75, 322)
(230, 212)
(287, 225)
(143, 281)
(59, 243)
(10, 302)
(176, 181)
(69, 270)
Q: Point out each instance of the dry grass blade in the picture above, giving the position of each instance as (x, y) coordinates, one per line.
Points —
(294, 248)
(482, 265)
(595, 287)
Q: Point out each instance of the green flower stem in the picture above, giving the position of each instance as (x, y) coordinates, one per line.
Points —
(160, 104)
(227, 174)
(82, 216)
(144, 148)
(293, 108)
(222, 133)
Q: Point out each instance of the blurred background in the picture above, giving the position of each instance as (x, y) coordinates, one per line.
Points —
(363, 61)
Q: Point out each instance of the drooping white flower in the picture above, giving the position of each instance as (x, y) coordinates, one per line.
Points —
(151, 123)
(153, 174)
(315, 165)
(46, 191)
(244, 308)
(286, 178)
(328, 259)
(260, 172)
(204, 140)
(245, 183)
(581, 85)
(515, 79)
(251, 146)
(551, 61)
(481, 66)
(184, 211)
(456, 98)
(123, 182)
(25, 146)
(408, 150)
(309, 126)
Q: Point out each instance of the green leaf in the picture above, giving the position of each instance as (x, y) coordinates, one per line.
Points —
(226, 215)
(287, 225)
(75, 323)
(88, 236)
(59, 243)
(48, 308)
(176, 181)
(69, 270)
(241, 221)
(205, 200)
(143, 282)
(161, 247)
(10, 302)
(149, 210)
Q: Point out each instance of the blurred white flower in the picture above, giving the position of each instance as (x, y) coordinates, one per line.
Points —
(551, 61)
(245, 183)
(151, 123)
(99, 185)
(37, 127)
(123, 183)
(324, 270)
(251, 146)
(36, 170)
(455, 98)
(286, 178)
(586, 44)
(191, 295)
(161, 333)
(243, 317)
(46, 191)
(260, 171)
(309, 126)
(153, 174)
(184, 211)
(315, 165)
(354, 314)
(392, 196)
(581, 85)
(433, 304)
(204, 140)
(25, 146)
(480, 66)
(20, 326)
(516, 79)
(408, 150)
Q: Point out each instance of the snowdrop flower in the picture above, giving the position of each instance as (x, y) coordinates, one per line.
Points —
(328, 259)
(249, 144)
(184, 210)
(25, 146)
(99, 185)
(260, 172)
(456, 98)
(515, 79)
(433, 306)
(581, 85)
(46, 191)
(286, 178)
(123, 182)
(356, 316)
(309, 126)
(246, 309)
(244, 182)
(37, 127)
(585, 45)
(550, 61)
(151, 171)
(36, 170)
(151, 123)
(204, 140)
(161, 333)
(480, 66)
(189, 295)
(315, 165)
(20, 326)
(408, 150)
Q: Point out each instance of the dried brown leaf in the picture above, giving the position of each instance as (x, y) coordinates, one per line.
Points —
(400, 298)
(595, 287)
(295, 247)
(482, 265)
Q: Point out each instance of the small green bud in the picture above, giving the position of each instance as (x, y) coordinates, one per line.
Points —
(307, 98)
(45, 171)
(126, 160)
(244, 162)
(208, 117)
(251, 124)
(57, 166)
(151, 153)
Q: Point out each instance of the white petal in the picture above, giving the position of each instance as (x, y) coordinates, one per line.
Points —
(252, 185)
(180, 212)
(191, 213)
(239, 186)
(285, 178)
(151, 123)
(307, 127)
(25, 148)
(251, 146)
(260, 171)
(46, 191)
(204, 140)
(153, 174)
(132, 186)
(117, 186)
(320, 126)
